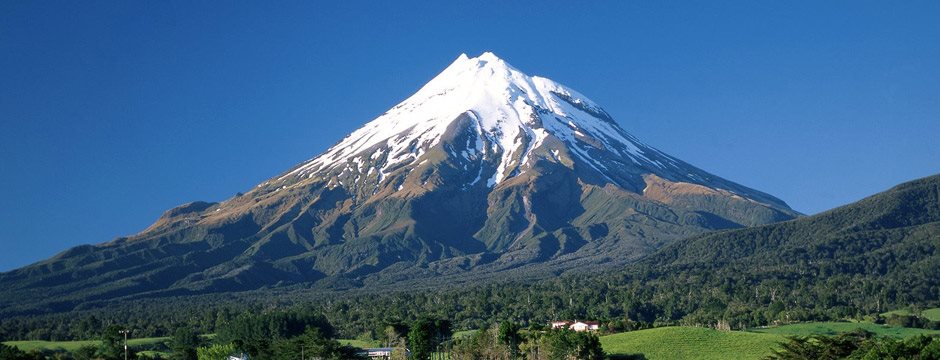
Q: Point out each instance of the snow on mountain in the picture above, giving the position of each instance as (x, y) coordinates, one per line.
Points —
(513, 111)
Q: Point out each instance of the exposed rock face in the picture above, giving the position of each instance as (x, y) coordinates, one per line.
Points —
(484, 168)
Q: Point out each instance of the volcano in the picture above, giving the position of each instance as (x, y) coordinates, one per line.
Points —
(484, 170)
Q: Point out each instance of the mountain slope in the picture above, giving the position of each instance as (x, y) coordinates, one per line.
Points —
(878, 253)
(484, 169)
(904, 216)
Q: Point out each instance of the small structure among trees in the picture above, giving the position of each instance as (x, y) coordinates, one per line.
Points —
(585, 326)
(575, 325)
(383, 353)
(509, 341)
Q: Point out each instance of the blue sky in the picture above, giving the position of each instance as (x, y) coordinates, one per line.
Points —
(113, 112)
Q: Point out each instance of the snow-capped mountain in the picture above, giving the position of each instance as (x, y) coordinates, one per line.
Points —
(511, 115)
(509, 121)
(485, 170)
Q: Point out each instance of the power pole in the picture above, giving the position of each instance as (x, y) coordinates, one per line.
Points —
(301, 352)
(125, 332)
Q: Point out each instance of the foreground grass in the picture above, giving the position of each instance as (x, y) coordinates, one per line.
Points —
(75, 345)
(676, 342)
(833, 328)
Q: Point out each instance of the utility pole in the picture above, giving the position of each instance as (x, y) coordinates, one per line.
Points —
(125, 332)
(301, 352)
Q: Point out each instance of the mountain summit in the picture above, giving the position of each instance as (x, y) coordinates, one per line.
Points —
(510, 121)
(505, 115)
(485, 170)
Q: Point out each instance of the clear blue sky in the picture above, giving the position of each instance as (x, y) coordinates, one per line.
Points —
(112, 112)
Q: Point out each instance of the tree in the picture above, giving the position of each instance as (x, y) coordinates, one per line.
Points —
(393, 333)
(215, 352)
(312, 344)
(443, 332)
(87, 352)
(509, 336)
(155, 356)
(11, 353)
(588, 347)
(112, 343)
(395, 338)
(421, 339)
(399, 349)
(835, 347)
(184, 344)
(482, 345)
(565, 344)
(256, 333)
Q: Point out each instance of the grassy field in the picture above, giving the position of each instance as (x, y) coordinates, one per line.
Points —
(52, 345)
(75, 345)
(691, 343)
(833, 328)
(362, 344)
(464, 333)
(929, 314)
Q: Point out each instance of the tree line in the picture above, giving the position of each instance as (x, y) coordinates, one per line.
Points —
(303, 333)
(620, 302)
(859, 344)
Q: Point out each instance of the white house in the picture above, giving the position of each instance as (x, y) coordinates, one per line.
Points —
(585, 326)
